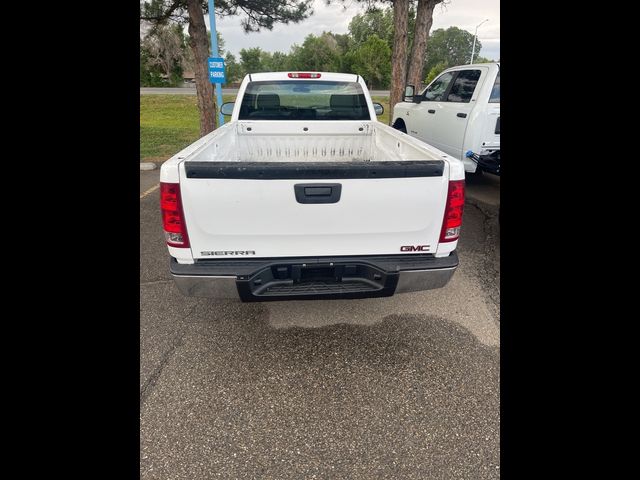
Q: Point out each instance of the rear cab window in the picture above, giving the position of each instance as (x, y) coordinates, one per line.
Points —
(303, 100)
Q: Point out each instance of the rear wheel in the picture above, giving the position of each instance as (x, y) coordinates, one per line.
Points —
(474, 175)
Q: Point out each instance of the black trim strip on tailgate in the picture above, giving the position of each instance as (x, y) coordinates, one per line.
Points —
(313, 170)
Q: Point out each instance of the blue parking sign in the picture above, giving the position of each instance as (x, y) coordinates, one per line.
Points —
(216, 70)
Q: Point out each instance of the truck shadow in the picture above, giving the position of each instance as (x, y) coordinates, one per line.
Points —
(392, 340)
(409, 396)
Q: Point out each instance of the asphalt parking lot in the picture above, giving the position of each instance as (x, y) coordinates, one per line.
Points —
(403, 387)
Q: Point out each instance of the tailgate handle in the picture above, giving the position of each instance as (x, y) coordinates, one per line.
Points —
(461, 115)
(318, 192)
(431, 111)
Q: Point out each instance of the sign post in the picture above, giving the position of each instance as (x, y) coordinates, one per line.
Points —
(216, 64)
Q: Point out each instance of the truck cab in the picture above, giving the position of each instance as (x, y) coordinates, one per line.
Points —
(458, 113)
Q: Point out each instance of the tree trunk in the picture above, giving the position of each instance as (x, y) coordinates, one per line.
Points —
(399, 54)
(424, 20)
(199, 43)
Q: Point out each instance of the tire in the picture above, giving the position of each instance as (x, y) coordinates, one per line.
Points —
(475, 175)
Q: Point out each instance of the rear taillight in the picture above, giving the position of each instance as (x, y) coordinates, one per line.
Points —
(453, 212)
(303, 75)
(175, 230)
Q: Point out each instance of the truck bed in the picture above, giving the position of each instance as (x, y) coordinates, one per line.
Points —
(278, 141)
(244, 189)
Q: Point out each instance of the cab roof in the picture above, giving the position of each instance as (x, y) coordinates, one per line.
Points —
(331, 76)
(464, 67)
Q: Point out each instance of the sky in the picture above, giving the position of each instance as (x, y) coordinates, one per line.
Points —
(465, 14)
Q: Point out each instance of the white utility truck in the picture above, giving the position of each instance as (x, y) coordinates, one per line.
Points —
(304, 194)
(459, 113)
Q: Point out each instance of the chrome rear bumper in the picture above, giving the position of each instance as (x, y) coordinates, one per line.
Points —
(378, 276)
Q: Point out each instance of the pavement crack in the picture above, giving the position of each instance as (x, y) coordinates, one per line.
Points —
(176, 342)
(487, 272)
(488, 210)
(491, 260)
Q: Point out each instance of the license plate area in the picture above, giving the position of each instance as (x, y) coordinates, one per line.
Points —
(331, 280)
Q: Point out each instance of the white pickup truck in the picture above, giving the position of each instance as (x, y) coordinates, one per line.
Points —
(304, 194)
(459, 113)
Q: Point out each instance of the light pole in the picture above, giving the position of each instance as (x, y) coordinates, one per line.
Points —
(473, 51)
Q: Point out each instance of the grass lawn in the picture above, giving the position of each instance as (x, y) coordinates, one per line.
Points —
(168, 123)
(384, 118)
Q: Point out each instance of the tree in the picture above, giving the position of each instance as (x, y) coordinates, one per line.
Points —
(372, 61)
(234, 70)
(257, 15)
(320, 54)
(164, 49)
(424, 20)
(163, 55)
(479, 59)
(199, 44)
(251, 60)
(150, 76)
(437, 69)
(279, 62)
(344, 41)
(379, 22)
(452, 46)
(373, 22)
(266, 61)
(221, 43)
(399, 54)
(254, 60)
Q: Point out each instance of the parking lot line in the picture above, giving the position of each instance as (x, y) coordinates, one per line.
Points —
(152, 189)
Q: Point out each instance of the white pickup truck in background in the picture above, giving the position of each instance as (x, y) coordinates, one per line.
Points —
(459, 113)
(304, 194)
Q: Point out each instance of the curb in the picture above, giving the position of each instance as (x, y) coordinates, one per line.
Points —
(148, 166)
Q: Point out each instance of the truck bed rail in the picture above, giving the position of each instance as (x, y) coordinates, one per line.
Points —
(314, 170)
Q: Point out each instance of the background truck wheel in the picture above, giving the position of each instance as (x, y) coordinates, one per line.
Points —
(475, 175)
(399, 125)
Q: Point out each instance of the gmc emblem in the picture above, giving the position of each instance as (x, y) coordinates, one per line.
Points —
(414, 248)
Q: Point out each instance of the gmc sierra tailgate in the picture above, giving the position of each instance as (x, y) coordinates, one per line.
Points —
(292, 209)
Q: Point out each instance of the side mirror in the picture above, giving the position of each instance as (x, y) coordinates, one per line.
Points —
(409, 91)
(227, 108)
(410, 95)
(379, 109)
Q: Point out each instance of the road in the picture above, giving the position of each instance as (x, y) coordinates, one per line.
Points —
(225, 91)
(404, 387)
